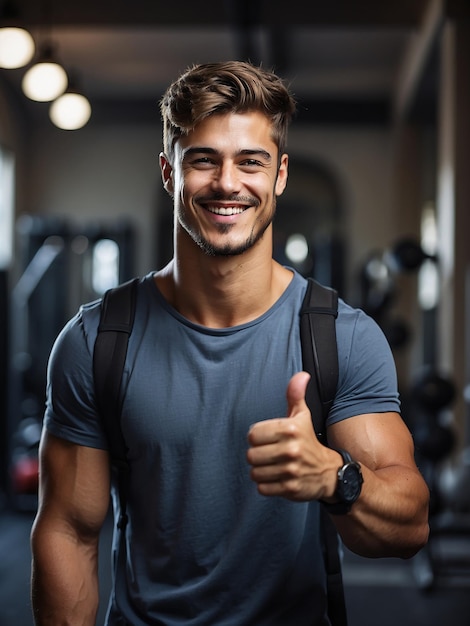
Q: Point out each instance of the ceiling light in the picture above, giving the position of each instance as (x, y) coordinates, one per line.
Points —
(16, 44)
(70, 111)
(16, 47)
(46, 79)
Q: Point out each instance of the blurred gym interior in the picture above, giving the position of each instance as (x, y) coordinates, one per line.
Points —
(376, 206)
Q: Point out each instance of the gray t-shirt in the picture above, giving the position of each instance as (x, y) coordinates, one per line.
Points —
(203, 547)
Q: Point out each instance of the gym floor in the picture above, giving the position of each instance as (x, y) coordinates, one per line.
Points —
(382, 592)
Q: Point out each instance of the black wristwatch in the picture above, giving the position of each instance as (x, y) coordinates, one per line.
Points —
(348, 488)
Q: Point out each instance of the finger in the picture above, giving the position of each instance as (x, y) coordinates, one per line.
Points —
(263, 455)
(274, 430)
(268, 474)
(296, 390)
(265, 432)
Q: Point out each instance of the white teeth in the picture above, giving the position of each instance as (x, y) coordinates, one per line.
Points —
(229, 210)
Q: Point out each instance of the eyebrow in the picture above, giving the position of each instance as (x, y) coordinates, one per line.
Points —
(246, 152)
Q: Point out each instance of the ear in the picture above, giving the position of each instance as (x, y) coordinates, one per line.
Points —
(167, 173)
(281, 180)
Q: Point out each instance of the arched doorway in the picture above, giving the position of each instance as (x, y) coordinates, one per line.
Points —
(310, 216)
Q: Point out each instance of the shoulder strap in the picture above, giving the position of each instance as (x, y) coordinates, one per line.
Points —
(109, 356)
(320, 358)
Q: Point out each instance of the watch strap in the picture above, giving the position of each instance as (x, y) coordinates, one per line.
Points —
(342, 507)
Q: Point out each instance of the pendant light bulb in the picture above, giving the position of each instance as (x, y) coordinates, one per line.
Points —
(16, 47)
(46, 80)
(70, 111)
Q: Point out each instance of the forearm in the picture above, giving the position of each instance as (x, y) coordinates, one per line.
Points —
(64, 579)
(390, 519)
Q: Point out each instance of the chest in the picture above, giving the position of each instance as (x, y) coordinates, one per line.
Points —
(185, 389)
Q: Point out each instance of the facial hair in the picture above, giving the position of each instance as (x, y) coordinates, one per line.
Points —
(229, 249)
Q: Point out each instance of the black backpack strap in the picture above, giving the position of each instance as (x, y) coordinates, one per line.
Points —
(320, 355)
(334, 575)
(320, 358)
(109, 357)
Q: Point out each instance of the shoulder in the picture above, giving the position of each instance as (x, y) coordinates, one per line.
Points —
(70, 406)
(84, 325)
(358, 331)
(352, 323)
(78, 334)
(367, 381)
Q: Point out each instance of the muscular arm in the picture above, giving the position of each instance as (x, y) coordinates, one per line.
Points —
(390, 518)
(73, 503)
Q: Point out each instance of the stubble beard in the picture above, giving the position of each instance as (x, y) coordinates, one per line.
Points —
(230, 249)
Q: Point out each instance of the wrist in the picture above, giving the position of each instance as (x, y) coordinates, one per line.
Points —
(336, 462)
(348, 486)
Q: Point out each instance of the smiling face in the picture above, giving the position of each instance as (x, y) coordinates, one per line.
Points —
(225, 179)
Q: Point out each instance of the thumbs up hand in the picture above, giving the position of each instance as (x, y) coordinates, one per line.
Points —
(285, 455)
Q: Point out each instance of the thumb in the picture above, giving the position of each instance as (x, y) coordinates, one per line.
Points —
(296, 394)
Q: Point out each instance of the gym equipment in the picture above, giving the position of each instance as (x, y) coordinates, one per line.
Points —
(433, 391)
(407, 255)
(60, 269)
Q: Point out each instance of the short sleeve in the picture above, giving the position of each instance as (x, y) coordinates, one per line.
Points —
(70, 404)
(367, 380)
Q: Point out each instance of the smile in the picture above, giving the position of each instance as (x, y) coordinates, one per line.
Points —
(227, 210)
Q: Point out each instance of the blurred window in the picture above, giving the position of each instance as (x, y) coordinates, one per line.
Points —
(105, 265)
(7, 203)
(428, 277)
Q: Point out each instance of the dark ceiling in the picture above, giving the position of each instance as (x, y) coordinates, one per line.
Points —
(342, 57)
(334, 13)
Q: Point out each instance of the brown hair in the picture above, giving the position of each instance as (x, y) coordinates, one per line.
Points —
(227, 87)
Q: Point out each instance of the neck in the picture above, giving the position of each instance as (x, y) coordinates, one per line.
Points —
(219, 292)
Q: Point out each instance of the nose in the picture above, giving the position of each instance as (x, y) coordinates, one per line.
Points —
(227, 178)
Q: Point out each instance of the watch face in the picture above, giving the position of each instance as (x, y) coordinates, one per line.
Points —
(351, 482)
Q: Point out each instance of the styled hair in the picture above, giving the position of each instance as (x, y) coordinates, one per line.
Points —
(226, 87)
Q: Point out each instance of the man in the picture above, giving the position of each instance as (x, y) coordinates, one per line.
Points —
(227, 476)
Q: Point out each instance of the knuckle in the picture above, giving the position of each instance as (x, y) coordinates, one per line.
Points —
(291, 472)
(290, 427)
(292, 450)
(292, 488)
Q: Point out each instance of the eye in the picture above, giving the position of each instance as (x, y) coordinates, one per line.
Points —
(201, 162)
(251, 165)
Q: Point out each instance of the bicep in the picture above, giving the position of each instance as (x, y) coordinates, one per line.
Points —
(377, 440)
(74, 484)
